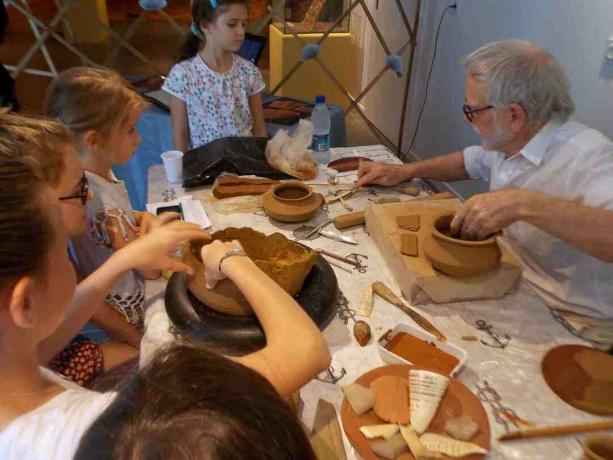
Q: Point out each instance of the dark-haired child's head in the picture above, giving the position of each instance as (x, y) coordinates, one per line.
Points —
(36, 277)
(220, 24)
(190, 403)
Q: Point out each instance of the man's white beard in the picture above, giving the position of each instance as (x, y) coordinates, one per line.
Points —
(497, 139)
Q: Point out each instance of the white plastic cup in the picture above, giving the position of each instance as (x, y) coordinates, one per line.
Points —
(173, 165)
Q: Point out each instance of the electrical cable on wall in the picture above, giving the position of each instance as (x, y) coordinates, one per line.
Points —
(423, 104)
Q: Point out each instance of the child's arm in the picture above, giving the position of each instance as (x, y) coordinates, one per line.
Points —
(257, 113)
(295, 350)
(113, 322)
(150, 252)
(178, 114)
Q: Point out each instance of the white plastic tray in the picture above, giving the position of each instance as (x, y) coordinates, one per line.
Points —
(393, 358)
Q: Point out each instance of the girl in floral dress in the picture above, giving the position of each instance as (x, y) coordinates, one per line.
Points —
(214, 92)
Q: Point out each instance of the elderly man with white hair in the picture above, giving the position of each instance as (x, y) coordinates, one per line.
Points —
(551, 179)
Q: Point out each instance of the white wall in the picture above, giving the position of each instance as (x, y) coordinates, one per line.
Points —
(574, 31)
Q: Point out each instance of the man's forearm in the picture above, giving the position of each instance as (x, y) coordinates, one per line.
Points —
(449, 167)
(586, 228)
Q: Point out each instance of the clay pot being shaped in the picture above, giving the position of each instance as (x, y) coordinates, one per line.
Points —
(286, 262)
(291, 202)
(456, 257)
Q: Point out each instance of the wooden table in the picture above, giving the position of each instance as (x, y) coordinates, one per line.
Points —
(503, 368)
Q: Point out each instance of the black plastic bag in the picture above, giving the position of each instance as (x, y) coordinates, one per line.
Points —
(237, 155)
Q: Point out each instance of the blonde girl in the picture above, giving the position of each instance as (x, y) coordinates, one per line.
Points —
(101, 110)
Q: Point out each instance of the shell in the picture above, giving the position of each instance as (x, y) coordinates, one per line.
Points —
(450, 446)
(426, 392)
(385, 430)
(361, 332)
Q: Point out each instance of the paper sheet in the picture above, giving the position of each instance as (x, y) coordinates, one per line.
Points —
(193, 211)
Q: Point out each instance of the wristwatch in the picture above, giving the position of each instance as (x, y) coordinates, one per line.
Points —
(230, 253)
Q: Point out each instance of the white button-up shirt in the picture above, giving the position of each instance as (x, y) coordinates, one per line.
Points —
(571, 162)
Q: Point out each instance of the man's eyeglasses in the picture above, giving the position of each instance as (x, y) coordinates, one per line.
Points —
(83, 192)
(469, 111)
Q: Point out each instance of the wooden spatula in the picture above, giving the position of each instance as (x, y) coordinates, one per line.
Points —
(382, 290)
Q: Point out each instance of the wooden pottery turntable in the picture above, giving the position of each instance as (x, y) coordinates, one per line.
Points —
(292, 202)
(313, 284)
(456, 257)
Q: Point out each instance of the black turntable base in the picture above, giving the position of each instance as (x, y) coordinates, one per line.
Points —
(243, 334)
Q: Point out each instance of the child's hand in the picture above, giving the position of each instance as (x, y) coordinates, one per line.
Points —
(146, 221)
(211, 256)
(153, 250)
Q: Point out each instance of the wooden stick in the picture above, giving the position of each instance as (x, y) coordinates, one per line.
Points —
(557, 430)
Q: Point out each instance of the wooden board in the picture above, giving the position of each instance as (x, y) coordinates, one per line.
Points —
(417, 279)
(458, 400)
(327, 439)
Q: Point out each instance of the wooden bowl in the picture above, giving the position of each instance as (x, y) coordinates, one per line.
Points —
(292, 202)
(456, 257)
(598, 447)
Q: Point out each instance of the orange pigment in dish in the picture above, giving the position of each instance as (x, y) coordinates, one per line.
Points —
(421, 353)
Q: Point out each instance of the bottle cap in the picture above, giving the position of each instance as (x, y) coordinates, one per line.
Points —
(320, 99)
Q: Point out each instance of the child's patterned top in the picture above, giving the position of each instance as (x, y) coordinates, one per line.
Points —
(110, 204)
(217, 103)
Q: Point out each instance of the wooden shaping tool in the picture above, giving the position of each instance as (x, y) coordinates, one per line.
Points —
(385, 292)
(412, 190)
(435, 196)
(535, 432)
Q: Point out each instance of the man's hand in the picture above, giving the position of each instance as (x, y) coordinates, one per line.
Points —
(488, 213)
(376, 172)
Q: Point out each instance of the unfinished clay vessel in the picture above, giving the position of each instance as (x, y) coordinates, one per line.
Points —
(456, 257)
(286, 262)
(292, 202)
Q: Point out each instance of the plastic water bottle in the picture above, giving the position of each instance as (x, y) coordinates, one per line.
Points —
(320, 117)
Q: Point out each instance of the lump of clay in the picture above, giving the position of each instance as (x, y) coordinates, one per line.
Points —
(286, 262)
(463, 428)
(361, 399)
(408, 222)
(229, 186)
(391, 399)
(390, 448)
(449, 446)
(385, 431)
(409, 245)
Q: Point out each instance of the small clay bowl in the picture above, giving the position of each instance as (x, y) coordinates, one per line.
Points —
(291, 202)
(598, 447)
(456, 257)
(291, 192)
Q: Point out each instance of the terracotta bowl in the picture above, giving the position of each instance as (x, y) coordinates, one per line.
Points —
(456, 257)
(598, 447)
(292, 202)
(286, 262)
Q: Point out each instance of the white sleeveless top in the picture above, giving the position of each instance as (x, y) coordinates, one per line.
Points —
(53, 431)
